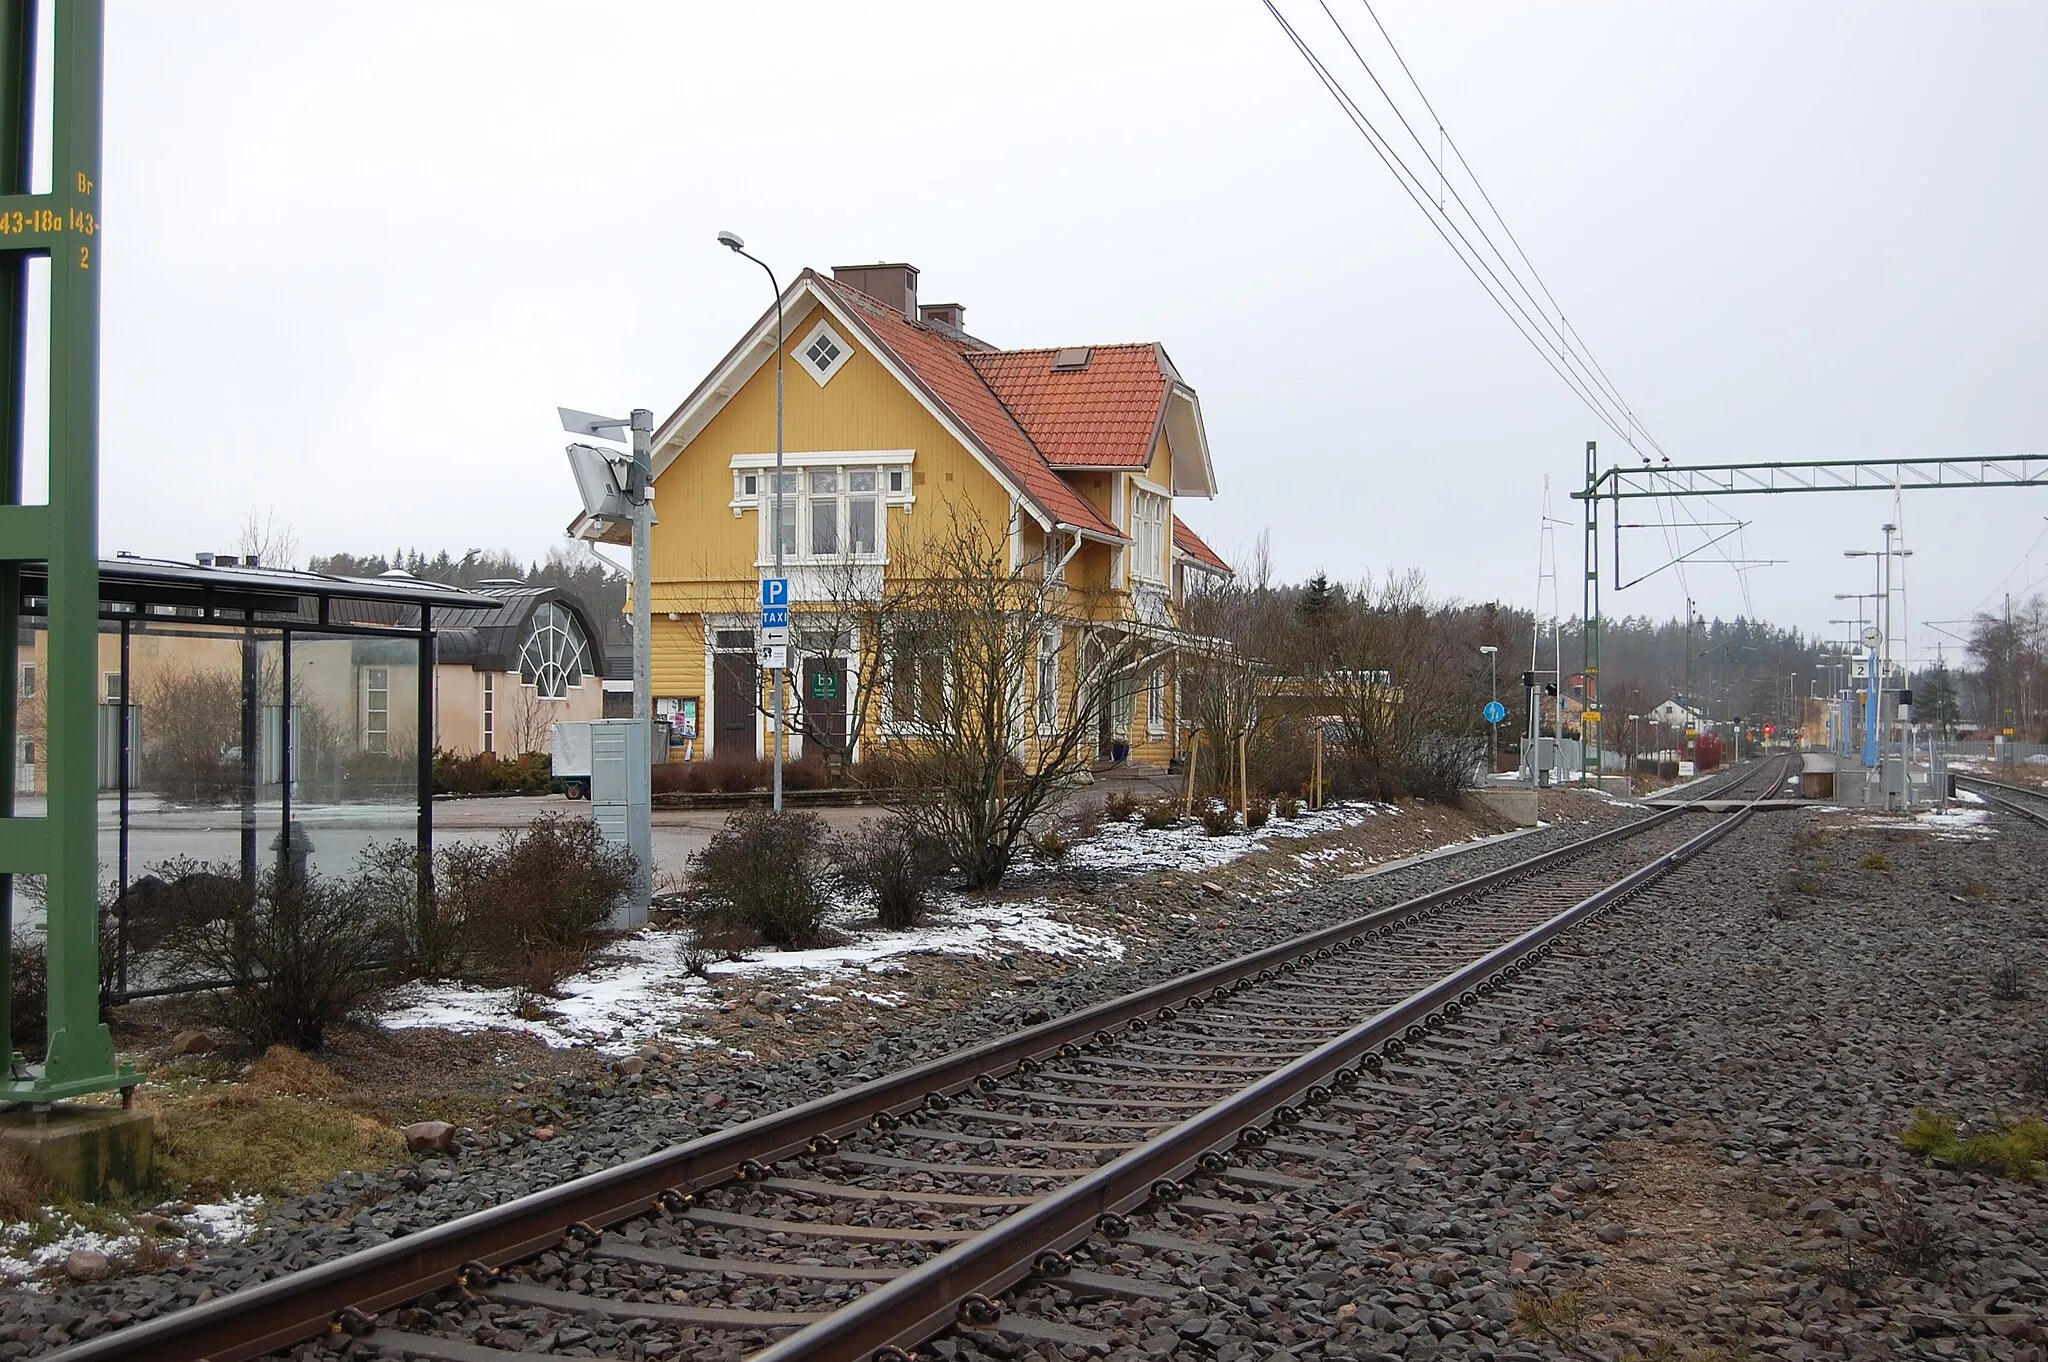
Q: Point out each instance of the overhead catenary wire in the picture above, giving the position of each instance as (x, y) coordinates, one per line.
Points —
(1412, 185)
(1529, 304)
(1580, 356)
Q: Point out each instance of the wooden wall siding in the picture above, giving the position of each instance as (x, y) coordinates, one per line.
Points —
(702, 551)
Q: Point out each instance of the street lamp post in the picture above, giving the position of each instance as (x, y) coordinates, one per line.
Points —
(1493, 729)
(733, 243)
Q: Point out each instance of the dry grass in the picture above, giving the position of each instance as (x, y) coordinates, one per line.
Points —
(219, 1144)
(23, 1190)
(1558, 1316)
(285, 1072)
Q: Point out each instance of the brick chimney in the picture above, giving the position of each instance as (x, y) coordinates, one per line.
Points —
(894, 285)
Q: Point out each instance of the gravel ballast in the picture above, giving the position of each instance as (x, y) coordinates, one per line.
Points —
(580, 1126)
(1685, 1144)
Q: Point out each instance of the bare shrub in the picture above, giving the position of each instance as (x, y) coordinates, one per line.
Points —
(1119, 806)
(300, 958)
(1218, 819)
(1160, 814)
(30, 993)
(1913, 1241)
(765, 872)
(893, 865)
(1287, 806)
(1256, 812)
(2008, 982)
(807, 774)
(1051, 847)
(531, 909)
(730, 775)
(1087, 821)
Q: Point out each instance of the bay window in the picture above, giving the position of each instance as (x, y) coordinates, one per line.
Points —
(1149, 514)
(829, 511)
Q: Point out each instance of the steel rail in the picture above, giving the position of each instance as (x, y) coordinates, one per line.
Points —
(910, 1308)
(1999, 794)
(304, 1304)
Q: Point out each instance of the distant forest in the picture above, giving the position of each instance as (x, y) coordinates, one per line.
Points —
(1726, 667)
(601, 589)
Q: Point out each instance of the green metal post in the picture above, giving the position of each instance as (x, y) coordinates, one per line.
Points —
(63, 225)
(17, 89)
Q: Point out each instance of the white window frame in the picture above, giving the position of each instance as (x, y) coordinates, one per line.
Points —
(911, 725)
(1048, 656)
(1155, 701)
(1151, 532)
(801, 352)
(377, 740)
(490, 711)
(27, 689)
(760, 468)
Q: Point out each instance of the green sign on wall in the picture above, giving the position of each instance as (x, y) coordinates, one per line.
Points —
(825, 684)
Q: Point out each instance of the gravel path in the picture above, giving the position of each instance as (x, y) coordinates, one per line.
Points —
(594, 1125)
(1685, 1146)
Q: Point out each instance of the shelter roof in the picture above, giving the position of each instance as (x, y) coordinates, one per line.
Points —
(161, 587)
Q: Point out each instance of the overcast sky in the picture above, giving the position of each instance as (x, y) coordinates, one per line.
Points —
(355, 255)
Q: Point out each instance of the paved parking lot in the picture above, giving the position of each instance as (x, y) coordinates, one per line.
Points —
(339, 833)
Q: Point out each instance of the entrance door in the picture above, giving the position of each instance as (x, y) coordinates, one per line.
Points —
(1098, 699)
(735, 700)
(824, 702)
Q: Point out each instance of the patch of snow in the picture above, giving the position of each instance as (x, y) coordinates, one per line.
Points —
(226, 1222)
(640, 990)
(1962, 823)
(1132, 848)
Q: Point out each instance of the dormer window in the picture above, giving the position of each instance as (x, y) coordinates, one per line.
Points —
(822, 353)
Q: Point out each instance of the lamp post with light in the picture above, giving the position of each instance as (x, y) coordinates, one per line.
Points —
(731, 241)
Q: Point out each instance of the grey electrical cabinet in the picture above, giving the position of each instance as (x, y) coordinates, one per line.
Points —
(621, 804)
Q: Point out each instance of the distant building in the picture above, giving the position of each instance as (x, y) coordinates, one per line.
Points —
(1679, 711)
(502, 679)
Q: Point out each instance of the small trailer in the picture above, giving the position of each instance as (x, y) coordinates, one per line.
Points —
(571, 746)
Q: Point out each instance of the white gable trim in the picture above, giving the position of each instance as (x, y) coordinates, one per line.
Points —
(758, 348)
(1196, 477)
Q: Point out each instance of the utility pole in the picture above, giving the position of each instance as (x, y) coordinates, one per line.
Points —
(1589, 665)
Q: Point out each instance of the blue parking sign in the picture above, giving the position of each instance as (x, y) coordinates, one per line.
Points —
(774, 592)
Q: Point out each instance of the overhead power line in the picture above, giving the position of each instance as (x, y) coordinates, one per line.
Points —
(1468, 236)
(1506, 272)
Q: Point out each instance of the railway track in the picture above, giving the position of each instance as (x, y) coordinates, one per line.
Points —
(866, 1221)
(2024, 801)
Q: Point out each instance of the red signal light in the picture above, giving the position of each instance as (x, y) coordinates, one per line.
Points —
(1769, 729)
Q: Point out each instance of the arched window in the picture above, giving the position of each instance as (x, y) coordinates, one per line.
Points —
(555, 654)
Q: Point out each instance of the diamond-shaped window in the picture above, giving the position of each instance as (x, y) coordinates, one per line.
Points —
(823, 353)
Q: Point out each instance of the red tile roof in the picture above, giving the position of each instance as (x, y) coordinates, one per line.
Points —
(1190, 543)
(1106, 415)
(943, 366)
